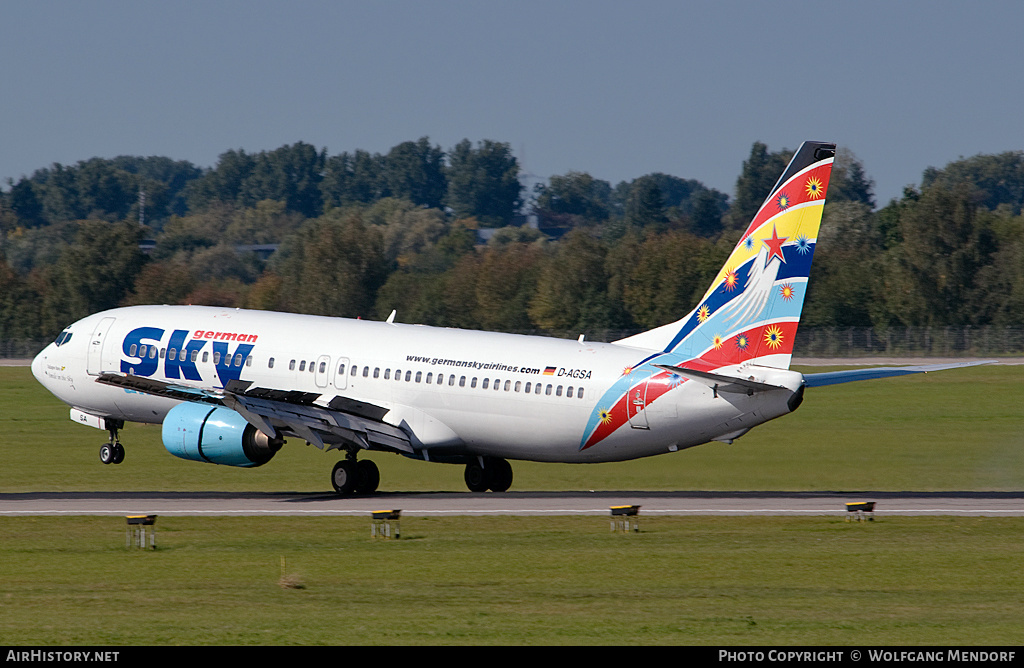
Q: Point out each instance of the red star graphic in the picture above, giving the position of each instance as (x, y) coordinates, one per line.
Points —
(774, 246)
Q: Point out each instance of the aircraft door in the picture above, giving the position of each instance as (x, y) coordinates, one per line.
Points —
(341, 373)
(94, 362)
(323, 370)
(636, 403)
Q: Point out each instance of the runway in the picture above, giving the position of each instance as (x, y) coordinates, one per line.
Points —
(683, 503)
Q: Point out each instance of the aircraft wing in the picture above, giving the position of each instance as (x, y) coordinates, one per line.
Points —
(343, 420)
(850, 375)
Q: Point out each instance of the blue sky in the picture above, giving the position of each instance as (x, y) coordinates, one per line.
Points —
(617, 89)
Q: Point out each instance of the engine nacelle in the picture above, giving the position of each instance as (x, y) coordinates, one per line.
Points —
(218, 435)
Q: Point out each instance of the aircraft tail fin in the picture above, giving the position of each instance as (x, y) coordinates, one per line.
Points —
(752, 308)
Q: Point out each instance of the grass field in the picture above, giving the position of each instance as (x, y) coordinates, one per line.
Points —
(565, 580)
(504, 580)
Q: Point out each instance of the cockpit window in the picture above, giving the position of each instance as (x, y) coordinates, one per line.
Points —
(63, 338)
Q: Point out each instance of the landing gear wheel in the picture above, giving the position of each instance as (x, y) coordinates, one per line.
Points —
(477, 477)
(344, 476)
(118, 453)
(107, 453)
(501, 475)
(367, 477)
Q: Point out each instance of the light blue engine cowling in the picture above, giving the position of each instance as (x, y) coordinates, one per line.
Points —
(218, 435)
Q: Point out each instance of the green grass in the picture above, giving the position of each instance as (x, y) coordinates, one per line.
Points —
(955, 430)
(503, 580)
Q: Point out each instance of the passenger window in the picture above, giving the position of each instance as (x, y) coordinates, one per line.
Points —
(323, 367)
(238, 360)
(142, 351)
(355, 368)
(536, 389)
(341, 369)
(579, 394)
(195, 356)
(216, 358)
(547, 391)
(528, 387)
(419, 376)
(408, 376)
(497, 384)
(248, 360)
(518, 385)
(472, 383)
(398, 374)
(451, 380)
(206, 357)
(462, 381)
(558, 391)
(483, 385)
(387, 374)
(270, 363)
(366, 371)
(163, 352)
(291, 365)
(131, 351)
(568, 392)
(429, 376)
(302, 364)
(376, 372)
(508, 385)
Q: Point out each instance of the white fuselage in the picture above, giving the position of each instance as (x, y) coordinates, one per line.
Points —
(455, 392)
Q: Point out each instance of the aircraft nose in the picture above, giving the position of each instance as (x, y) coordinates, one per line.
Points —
(37, 365)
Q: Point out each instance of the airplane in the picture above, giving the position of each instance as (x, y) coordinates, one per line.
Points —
(230, 385)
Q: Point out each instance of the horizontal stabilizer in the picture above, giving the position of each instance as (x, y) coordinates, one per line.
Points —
(850, 375)
(722, 383)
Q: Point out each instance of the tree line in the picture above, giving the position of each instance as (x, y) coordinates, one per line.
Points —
(452, 237)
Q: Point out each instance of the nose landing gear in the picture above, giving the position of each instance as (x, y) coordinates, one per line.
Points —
(112, 452)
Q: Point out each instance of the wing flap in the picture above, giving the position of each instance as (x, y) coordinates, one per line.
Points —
(344, 420)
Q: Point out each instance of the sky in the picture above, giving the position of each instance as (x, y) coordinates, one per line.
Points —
(616, 89)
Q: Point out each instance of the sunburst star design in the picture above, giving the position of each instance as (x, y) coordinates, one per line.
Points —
(814, 188)
(773, 337)
(803, 245)
(730, 280)
(787, 292)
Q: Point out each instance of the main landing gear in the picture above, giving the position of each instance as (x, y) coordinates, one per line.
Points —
(112, 452)
(355, 477)
(488, 473)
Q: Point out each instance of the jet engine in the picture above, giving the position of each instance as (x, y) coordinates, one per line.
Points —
(218, 435)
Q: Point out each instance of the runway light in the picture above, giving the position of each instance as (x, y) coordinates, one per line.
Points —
(860, 510)
(625, 517)
(386, 524)
(135, 533)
